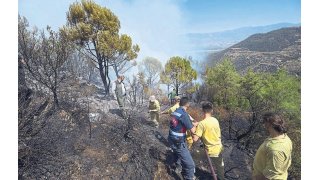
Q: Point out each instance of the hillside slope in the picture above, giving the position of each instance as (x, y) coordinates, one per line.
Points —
(225, 39)
(265, 52)
(91, 140)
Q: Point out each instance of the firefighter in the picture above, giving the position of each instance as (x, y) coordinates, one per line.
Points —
(154, 110)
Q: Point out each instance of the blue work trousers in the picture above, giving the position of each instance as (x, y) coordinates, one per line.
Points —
(182, 153)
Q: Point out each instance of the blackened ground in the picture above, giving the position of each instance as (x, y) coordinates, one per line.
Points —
(117, 149)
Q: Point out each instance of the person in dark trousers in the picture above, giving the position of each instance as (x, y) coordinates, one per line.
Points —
(180, 122)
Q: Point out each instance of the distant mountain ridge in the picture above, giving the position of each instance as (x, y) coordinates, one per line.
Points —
(265, 52)
(224, 39)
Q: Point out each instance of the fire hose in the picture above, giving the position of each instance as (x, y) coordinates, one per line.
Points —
(211, 166)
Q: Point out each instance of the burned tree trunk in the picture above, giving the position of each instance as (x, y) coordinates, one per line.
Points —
(103, 78)
(55, 97)
(252, 126)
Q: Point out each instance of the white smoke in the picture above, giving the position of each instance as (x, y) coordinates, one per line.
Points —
(157, 26)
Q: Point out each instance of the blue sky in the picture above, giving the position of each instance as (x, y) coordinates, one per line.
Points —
(215, 15)
(198, 15)
(158, 25)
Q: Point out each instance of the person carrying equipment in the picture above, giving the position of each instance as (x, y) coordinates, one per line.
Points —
(209, 132)
(273, 157)
(119, 91)
(180, 122)
(154, 110)
(173, 108)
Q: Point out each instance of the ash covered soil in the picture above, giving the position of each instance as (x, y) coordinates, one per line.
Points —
(113, 148)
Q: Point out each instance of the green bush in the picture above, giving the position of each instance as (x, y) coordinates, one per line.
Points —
(256, 93)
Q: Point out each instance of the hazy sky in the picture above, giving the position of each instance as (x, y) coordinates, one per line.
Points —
(157, 25)
(197, 15)
(216, 15)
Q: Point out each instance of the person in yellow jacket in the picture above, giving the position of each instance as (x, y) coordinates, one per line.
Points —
(273, 157)
(209, 132)
(154, 110)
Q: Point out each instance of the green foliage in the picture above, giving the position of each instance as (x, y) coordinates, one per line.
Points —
(282, 93)
(250, 91)
(87, 19)
(193, 88)
(224, 80)
(164, 78)
(178, 73)
(95, 29)
(277, 92)
(295, 136)
(258, 93)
